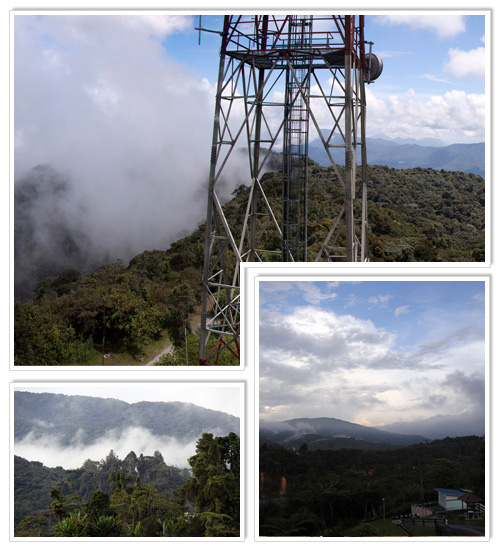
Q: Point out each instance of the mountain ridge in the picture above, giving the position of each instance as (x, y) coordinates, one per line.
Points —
(42, 414)
(403, 154)
(324, 432)
(441, 426)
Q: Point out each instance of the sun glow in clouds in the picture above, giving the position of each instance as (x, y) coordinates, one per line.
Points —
(415, 351)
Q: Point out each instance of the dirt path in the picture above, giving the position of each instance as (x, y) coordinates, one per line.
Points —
(163, 352)
(194, 321)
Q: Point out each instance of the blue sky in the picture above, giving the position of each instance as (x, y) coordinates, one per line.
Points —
(371, 351)
(428, 59)
(418, 55)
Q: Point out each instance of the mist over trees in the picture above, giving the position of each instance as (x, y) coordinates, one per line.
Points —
(47, 240)
(415, 215)
(71, 419)
(139, 496)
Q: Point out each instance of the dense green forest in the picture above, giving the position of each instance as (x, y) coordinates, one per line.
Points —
(415, 215)
(139, 496)
(327, 492)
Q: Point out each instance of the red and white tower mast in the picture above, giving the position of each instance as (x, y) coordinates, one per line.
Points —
(280, 79)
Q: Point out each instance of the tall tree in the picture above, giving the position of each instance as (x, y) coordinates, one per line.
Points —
(215, 485)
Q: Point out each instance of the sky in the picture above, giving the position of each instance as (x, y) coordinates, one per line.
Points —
(433, 81)
(373, 352)
(121, 106)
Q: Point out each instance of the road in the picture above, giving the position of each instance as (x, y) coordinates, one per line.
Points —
(163, 352)
(451, 530)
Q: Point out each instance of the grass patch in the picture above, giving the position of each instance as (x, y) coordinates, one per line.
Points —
(377, 528)
(115, 357)
(420, 531)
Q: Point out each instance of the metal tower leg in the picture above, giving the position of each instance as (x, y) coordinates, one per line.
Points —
(321, 70)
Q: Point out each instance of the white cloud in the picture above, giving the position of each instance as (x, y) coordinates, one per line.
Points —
(167, 24)
(313, 294)
(49, 450)
(379, 299)
(323, 341)
(103, 95)
(315, 362)
(55, 62)
(455, 116)
(444, 26)
(434, 78)
(401, 310)
(100, 100)
(463, 64)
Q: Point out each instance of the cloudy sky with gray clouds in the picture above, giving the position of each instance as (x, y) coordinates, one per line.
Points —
(372, 352)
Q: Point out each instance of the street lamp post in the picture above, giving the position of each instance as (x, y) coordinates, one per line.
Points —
(419, 469)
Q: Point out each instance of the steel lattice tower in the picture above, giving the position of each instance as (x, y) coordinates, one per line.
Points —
(277, 75)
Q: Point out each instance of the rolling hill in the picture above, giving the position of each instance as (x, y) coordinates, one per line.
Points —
(462, 157)
(332, 433)
(62, 417)
(414, 215)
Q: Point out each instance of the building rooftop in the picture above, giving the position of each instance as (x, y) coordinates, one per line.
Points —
(454, 492)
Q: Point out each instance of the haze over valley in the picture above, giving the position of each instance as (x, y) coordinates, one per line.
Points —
(123, 460)
(116, 161)
(65, 430)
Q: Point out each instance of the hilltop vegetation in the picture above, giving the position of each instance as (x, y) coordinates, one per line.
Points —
(33, 481)
(331, 433)
(415, 215)
(324, 492)
(138, 496)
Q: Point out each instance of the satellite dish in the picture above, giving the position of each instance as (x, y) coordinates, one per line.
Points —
(374, 67)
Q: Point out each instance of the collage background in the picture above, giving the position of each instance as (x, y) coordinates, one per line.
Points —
(247, 374)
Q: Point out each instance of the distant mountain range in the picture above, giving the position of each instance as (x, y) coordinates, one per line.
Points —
(62, 416)
(441, 426)
(413, 153)
(332, 433)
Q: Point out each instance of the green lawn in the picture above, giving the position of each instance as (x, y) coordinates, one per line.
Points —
(420, 531)
(377, 528)
(120, 357)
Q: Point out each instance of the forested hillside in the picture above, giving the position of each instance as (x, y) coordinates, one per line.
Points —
(325, 492)
(331, 433)
(61, 417)
(33, 481)
(414, 215)
(140, 496)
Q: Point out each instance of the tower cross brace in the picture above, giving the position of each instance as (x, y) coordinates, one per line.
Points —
(281, 77)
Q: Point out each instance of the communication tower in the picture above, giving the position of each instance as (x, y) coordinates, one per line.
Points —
(280, 78)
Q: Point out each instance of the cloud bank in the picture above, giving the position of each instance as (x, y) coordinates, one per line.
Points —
(100, 101)
(50, 451)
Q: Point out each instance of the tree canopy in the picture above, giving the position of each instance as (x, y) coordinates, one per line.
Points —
(135, 497)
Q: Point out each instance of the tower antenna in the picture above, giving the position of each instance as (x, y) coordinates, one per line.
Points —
(279, 77)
